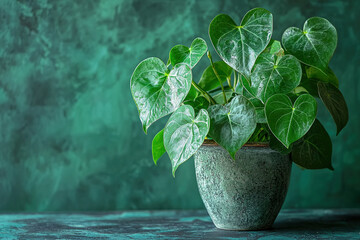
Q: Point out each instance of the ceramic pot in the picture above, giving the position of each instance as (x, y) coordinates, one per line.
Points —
(246, 193)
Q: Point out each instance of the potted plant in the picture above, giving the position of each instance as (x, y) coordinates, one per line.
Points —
(249, 117)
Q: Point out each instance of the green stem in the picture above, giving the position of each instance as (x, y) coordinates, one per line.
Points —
(229, 81)
(217, 75)
(203, 92)
(235, 80)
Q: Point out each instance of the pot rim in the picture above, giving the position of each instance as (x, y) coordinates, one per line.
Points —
(208, 142)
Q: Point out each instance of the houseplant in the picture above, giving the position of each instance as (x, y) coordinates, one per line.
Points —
(263, 92)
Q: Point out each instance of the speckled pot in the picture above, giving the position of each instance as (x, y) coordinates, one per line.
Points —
(245, 194)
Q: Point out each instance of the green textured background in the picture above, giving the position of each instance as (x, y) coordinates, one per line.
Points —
(70, 137)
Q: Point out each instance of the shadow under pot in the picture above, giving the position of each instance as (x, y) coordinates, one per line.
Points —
(246, 193)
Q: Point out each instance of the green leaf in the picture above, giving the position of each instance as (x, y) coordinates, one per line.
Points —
(271, 76)
(184, 133)
(290, 122)
(273, 47)
(190, 56)
(209, 81)
(233, 124)
(259, 109)
(192, 94)
(276, 145)
(314, 45)
(246, 87)
(158, 148)
(334, 101)
(158, 92)
(198, 104)
(327, 76)
(314, 150)
(219, 97)
(239, 46)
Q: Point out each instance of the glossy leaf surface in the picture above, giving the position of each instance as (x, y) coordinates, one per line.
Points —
(276, 145)
(156, 92)
(233, 124)
(314, 150)
(240, 45)
(271, 76)
(314, 45)
(209, 81)
(190, 56)
(184, 133)
(274, 47)
(334, 101)
(287, 121)
(158, 148)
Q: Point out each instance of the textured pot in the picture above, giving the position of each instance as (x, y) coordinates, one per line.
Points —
(245, 194)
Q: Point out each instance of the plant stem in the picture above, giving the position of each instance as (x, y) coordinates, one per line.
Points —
(217, 75)
(229, 81)
(203, 92)
(235, 80)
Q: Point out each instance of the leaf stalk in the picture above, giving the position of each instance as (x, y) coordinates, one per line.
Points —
(217, 76)
(203, 92)
(235, 80)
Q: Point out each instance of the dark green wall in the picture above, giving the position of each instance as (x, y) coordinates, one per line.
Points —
(70, 137)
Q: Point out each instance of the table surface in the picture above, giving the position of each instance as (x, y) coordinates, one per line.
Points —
(290, 224)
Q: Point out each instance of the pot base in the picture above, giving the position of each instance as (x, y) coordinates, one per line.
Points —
(246, 193)
(244, 229)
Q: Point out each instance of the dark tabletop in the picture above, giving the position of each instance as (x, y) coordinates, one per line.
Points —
(290, 224)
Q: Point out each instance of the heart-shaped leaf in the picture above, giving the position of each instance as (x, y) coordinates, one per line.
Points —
(290, 122)
(239, 46)
(190, 56)
(314, 45)
(209, 81)
(184, 133)
(273, 75)
(314, 150)
(158, 92)
(158, 148)
(334, 101)
(276, 145)
(198, 104)
(233, 124)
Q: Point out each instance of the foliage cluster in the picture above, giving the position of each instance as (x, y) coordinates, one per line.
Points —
(263, 90)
